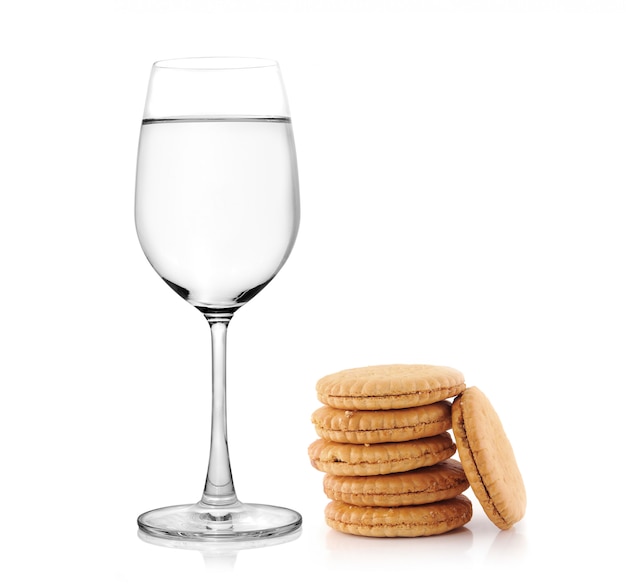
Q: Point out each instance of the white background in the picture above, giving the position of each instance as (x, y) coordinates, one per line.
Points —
(462, 167)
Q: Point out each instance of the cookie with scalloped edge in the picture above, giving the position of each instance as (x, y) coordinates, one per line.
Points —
(382, 426)
(351, 459)
(421, 486)
(422, 520)
(488, 458)
(391, 386)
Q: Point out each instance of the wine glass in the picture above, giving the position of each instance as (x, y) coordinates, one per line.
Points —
(217, 212)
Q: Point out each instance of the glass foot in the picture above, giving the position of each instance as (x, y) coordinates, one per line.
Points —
(238, 521)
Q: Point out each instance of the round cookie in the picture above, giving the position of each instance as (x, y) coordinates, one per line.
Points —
(422, 486)
(400, 521)
(347, 459)
(488, 459)
(382, 426)
(385, 387)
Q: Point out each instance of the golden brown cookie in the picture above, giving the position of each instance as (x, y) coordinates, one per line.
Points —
(385, 387)
(488, 458)
(422, 486)
(400, 521)
(348, 459)
(382, 426)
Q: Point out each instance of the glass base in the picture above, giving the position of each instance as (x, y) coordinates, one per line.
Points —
(238, 521)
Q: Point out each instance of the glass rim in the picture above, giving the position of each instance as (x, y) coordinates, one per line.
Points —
(214, 63)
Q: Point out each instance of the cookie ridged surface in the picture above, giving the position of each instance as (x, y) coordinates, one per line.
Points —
(385, 387)
(422, 486)
(382, 426)
(488, 458)
(400, 521)
(346, 459)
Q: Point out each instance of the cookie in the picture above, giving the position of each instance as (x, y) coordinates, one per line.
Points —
(422, 486)
(385, 387)
(400, 521)
(382, 426)
(347, 459)
(488, 458)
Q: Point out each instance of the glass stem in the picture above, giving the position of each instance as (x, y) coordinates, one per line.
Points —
(219, 489)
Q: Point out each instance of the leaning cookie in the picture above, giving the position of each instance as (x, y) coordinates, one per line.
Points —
(400, 521)
(488, 458)
(346, 459)
(422, 486)
(385, 387)
(382, 426)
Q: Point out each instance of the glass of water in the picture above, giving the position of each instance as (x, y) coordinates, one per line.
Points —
(217, 213)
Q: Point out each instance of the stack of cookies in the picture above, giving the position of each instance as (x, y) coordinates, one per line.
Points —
(386, 450)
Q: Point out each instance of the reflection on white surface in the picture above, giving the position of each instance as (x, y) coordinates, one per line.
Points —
(345, 551)
(218, 555)
(507, 546)
(457, 540)
(479, 542)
